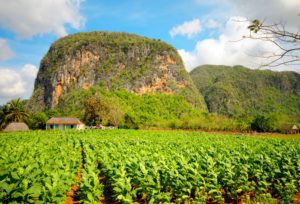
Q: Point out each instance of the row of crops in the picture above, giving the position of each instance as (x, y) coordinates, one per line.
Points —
(129, 166)
(37, 167)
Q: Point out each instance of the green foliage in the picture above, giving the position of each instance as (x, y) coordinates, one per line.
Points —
(150, 108)
(130, 122)
(244, 94)
(83, 40)
(125, 109)
(117, 61)
(128, 110)
(37, 167)
(38, 120)
(13, 111)
(3, 111)
(102, 110)
(208, 122)
(91, 189)
(263, 123)
(72, 103)
(147, 167)
(255, 26)
(160, 166)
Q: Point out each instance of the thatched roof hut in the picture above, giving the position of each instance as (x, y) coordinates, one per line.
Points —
(15, 127)
(290, 129)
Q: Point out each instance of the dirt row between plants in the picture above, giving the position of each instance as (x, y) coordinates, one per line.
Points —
(107, 191)
(72, 195)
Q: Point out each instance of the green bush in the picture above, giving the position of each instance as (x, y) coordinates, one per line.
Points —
(38, 121)
(264, 123)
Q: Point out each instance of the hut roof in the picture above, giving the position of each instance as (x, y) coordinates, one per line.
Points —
(14, 127)
(63, 121)
(294, 127)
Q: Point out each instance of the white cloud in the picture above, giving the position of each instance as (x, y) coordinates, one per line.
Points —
(228, 48)
(31, 17)
(190, 59)
(11, 83)
(5, 51)
(29, 72)
(270, 11)
(212, 24)
(267, 10)
(15, 84)
(188, 29)
(222, 49)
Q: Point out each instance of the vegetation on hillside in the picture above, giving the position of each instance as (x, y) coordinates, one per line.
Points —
(254, 96)
(98, 105)
(114, 60)
(79, 40)
(124, 109)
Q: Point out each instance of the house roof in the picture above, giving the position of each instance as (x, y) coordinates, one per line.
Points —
(14, 127)
(294, 127)
(63, 121)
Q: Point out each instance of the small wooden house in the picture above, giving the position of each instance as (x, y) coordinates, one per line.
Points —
(63, 123)
(16, 127)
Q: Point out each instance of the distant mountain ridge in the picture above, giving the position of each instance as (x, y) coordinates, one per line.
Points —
(239, 92)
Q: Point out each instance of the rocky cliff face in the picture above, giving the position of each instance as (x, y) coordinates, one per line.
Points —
(112, 60)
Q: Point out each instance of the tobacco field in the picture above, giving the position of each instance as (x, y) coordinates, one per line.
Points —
(139, 166)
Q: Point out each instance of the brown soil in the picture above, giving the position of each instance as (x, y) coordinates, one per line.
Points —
(72, 194)
(297, 198)
(246, 133)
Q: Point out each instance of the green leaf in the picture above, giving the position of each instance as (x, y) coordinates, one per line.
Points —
(117, 189)
(35, 190)
(14, 175)
(90, 197)
(239, 190)
(17, 195)
(120, 197)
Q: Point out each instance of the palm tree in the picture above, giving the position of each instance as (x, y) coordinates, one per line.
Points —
(14, 112)
(3, 112)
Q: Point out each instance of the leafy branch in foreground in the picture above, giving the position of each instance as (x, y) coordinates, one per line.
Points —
(287, 42)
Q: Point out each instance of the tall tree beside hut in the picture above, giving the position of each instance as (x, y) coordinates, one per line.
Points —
(13, 111)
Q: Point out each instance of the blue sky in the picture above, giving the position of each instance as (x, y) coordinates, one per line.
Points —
(202, 31)
(153, 19)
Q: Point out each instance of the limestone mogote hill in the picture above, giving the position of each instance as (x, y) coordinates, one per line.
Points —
(114, 61)
(242, 92)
